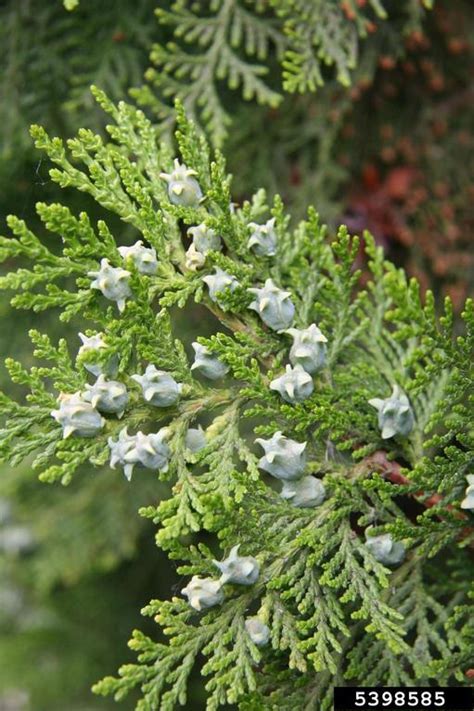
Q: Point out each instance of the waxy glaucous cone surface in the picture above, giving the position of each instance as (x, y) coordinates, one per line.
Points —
(220, 282)
(203, 592)
(159, 387)
(273, 305)
(263, 238)
(309, 348)
(385, 549)
(143, 257)
(237, 569)
(295, 385)
(183, 188)
(112, 282)
(77, 417)
(107, 396)
(284, 457)
(395, 415)
(304, 493)
(207, 364)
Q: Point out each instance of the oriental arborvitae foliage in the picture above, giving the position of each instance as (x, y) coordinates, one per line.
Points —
(351, 518)
(241, 44)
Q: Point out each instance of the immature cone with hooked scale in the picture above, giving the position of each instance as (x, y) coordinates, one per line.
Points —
(143, 257)
(304, 493)
(195, 439)
(273, 305)
(395, 414)
(295, 385)
(151, 450)
(119, 449)
(183, 188)
(309, 348)
(284, 457)
(205, 238)
(385, 549)
(159, 387)
(112, 282)
(241, 570)
(203, 592)
(96, 343)
(77, 416)
(263, 238)
(220, 282)
(207, 364)
(108, 396)
(468, 501)
(258, 631)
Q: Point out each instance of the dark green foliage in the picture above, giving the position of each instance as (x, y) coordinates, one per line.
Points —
(48, 58)
(241, 44)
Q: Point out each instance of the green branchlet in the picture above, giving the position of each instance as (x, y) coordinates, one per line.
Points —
(334, 612)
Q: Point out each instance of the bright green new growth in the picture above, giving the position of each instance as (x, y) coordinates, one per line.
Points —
(333, 611)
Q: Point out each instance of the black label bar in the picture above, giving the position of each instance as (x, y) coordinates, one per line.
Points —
(408, 698)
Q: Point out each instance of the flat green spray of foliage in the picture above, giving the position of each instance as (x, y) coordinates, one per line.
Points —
(243, 44)
(334, 612)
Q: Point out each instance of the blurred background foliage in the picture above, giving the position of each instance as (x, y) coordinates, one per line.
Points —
(373, 126)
